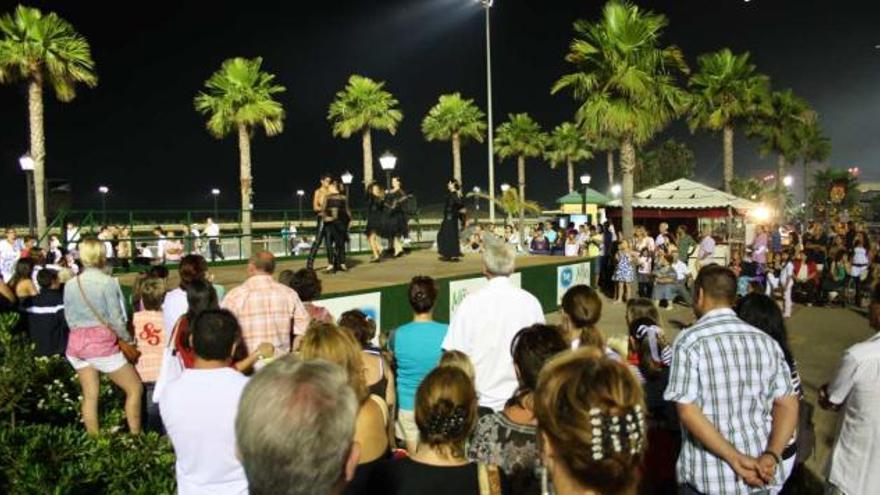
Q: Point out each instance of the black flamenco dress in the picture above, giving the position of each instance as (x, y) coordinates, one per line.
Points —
(397, 225)
(377, 222)
(448, 239)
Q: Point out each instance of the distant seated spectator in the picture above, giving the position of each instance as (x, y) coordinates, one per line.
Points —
(144, 252)
(295, 429)
(446, 411)
(667, 286)
(47, 327)
(173, 248)
(199, 409)
(309, 288)
(539, 244)
(597, 444)
(302, 246)
(509, 438)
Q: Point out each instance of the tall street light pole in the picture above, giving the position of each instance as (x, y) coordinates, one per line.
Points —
(27, 165)
(487, 6)
(585, 181)
(103, 190)
(215, 193)
(299, 196)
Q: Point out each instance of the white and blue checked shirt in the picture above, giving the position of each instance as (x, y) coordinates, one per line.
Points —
(733, 372)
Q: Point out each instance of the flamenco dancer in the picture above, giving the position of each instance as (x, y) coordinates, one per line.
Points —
(376, 221)
(448, 241)
(336, 216)
(397, 227)
(318, 208)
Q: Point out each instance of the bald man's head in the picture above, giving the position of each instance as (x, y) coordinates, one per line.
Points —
(263, 261)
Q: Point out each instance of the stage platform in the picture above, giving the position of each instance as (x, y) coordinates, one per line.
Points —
(380, 288)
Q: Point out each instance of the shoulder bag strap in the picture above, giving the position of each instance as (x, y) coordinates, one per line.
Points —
(89, 304)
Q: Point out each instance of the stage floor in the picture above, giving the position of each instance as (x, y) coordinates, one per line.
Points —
(363, 275)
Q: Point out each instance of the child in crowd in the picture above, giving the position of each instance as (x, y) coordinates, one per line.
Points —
(572, 246)
(646, 266)
(781, 279)
(682, 275)
(624, 274)
(150, 335)
(665, 282)
(652, 354)
(539, 244)
(47, 326)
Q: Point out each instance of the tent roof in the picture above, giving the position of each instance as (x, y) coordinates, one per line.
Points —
(594, 197)
(685, 194)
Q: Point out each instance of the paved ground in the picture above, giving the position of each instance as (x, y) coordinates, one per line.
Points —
(818, 336)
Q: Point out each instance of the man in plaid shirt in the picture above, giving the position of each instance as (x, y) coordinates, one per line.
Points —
(266, 310)
(734, 395)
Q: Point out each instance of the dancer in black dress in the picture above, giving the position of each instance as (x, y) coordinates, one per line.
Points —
(376, 221)
(448, 240)
(395, 200)
(336, 216)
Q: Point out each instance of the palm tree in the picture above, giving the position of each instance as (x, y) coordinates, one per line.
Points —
(781, 130)
(519, 137)
(43, 49)
(361, 106)
(726, 91)
(457, 119)
(625, 82)
(239, 97)
(815, 147)
(567, 144)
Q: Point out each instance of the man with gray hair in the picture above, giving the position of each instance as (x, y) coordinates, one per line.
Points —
(295, 429)
(484, 324)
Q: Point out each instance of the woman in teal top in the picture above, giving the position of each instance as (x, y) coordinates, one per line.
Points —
(417, 349)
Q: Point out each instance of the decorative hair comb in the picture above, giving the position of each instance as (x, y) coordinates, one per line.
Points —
(613, 434)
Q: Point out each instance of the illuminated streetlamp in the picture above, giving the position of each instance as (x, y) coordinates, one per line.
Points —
(387, 161)
(615, 190)
(585, 181)
(477, 191)
(505, 187)
(215, 193)
(787, 181)
(347, 177)
(27, 165)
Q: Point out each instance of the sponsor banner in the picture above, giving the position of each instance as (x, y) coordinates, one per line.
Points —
(459, 289)
(370, 303)
(568, 276)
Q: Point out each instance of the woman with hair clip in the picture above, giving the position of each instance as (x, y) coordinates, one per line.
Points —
(445, 413)
(336, 217)
(376, 223)
(592, 424)
(448, 241)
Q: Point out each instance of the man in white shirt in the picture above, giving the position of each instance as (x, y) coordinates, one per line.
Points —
(212, 232)
(854, 468)
(486, 321)
(160, 243)
(682, 272)
(198, 410)
(706, 250)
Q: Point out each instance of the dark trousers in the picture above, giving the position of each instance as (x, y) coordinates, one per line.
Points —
(320, 237)
(337, 235)
(215, 250)
(150, 411)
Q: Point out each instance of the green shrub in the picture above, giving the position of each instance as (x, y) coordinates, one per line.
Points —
(43, 445)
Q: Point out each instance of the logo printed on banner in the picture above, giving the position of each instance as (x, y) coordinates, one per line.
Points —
(370, 303)
(567, 276)
(459, 289)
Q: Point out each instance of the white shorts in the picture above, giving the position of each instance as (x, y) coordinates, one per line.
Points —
(104, 364)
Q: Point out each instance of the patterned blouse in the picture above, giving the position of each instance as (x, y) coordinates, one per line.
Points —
(511, 446)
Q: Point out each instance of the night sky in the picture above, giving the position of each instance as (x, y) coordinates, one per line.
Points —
(138, 133)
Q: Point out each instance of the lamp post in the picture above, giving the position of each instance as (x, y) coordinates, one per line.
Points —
(585, 181)
(103, 190)
(476, 191)
(487, 6)
(215, 193)
(347, 178)
(387, 161)
(787, 181)
(27, 165)
(299, 196)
